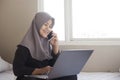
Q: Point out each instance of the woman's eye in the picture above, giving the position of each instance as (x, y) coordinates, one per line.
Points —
(50, 26)
(45, 24)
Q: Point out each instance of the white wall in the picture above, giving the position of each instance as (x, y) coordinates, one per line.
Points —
(15, 19)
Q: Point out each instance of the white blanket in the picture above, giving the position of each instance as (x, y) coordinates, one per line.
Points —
(99, 76)
(7, 75)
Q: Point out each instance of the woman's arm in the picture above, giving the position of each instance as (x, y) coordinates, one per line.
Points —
(42, 70)
(19, 63)
(53, 60)
(54, 43)
(24, 64)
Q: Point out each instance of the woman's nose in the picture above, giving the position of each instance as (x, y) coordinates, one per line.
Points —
(49, 29)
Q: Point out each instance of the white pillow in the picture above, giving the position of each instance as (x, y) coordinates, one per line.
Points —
(4, 65)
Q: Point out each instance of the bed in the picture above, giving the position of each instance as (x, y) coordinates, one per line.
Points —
(99, 76)
(6, 73)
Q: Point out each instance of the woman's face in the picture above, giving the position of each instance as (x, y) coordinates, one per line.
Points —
(46, 28)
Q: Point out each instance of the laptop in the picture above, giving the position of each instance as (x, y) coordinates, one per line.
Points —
(69, 62)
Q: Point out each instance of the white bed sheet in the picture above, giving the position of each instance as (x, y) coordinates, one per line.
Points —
(7, 75)
(99, 76)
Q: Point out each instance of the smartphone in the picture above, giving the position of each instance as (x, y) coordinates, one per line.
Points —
(50, 36)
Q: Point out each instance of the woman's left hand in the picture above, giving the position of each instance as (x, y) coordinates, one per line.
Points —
(54, 40)
(54, 43)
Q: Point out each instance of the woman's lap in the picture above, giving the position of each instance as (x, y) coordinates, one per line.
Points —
(29, 78)
(72, 77)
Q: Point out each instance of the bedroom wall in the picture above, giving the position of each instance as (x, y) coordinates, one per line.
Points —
(15, 18)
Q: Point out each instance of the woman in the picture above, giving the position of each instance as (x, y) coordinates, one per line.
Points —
(36, 54)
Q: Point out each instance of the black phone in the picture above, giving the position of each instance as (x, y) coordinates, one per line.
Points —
(49, 36)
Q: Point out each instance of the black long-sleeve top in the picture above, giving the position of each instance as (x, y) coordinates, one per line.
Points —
(24, 64)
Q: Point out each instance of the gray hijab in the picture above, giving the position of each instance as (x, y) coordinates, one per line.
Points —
(39, 47)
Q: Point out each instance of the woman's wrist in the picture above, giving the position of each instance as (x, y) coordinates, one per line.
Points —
(55, 49)
(37, 71)
(40, 71)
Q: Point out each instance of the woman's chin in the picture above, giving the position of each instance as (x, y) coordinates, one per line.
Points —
(44, 36)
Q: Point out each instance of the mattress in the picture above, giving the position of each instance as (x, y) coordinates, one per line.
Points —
(99, 76)
(7, 75)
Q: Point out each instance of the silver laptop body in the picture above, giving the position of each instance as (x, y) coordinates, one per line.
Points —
(69, 62)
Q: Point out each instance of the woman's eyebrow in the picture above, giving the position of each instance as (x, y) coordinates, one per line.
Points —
(46, 23)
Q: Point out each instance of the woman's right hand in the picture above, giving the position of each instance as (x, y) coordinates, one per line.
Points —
(43, 70)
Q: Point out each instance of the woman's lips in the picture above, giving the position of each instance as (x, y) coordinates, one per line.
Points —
(46, 32)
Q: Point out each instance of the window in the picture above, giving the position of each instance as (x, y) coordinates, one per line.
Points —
(96, 18)
(58, 13)
(78, 20)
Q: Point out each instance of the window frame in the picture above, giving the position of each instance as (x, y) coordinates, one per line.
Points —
(68, 29)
